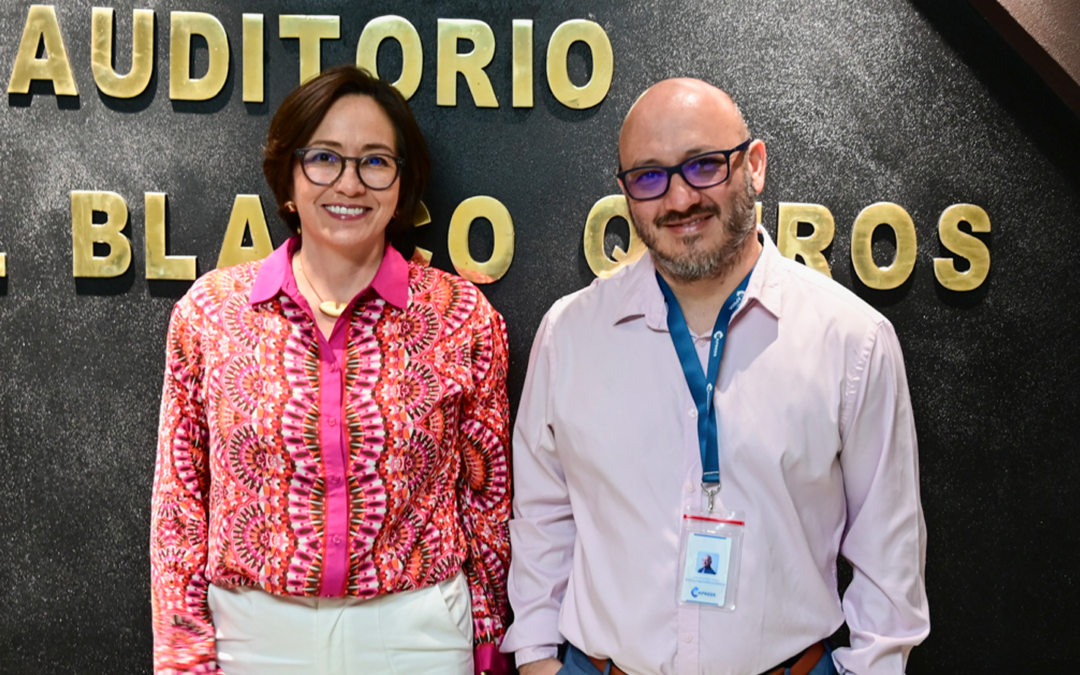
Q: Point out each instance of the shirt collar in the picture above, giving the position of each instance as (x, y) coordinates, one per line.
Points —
(642, 296)
(764, 286)
(391, 281)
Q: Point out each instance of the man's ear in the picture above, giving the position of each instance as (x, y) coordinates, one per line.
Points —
(758, 158)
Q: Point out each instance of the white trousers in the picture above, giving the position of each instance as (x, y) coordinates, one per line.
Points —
(426, 631)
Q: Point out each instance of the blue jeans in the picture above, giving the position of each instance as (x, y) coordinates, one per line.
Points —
(576, 663)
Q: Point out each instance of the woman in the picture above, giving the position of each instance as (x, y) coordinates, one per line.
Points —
(331, 492)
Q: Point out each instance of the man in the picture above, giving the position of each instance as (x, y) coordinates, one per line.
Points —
(813, 450)
(706, 565)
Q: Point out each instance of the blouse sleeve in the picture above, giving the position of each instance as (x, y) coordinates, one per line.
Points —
(183, 632)
(484, 497)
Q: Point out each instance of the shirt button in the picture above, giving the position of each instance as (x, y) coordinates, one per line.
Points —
(335, 480)
(692, 412)
(332, 421)
(337, 542)
(687, 638)
(333, 367)
(690, 487)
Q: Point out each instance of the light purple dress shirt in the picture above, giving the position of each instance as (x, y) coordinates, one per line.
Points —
(817, 448)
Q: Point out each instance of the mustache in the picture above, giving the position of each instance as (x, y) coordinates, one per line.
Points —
(676, 216)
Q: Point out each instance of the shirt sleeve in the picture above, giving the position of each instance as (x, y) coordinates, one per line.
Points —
(542, 532)
(484, 497)
(183, 632)
(885, 537)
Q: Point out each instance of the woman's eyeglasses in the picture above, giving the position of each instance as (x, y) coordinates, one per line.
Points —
(377, 171)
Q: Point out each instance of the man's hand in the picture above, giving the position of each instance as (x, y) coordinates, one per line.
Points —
(541, 667)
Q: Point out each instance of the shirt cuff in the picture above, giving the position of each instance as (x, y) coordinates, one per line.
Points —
(530, 654)
(487, 658)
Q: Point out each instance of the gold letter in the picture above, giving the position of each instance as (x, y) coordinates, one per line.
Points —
(3, 265)
(84, 233)
(862, 253)
(247, 214)
(457, 239)
(412, 50)
(160, 265)
(808, 248)
(558, 77)
(602, 213)
(523, 63)
(181, 86)
(41, 25)
(142, 53)
(253, 58)
(965, 245)
(311, 31)
(470, 65)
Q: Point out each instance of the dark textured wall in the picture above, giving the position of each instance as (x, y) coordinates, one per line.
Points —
(917, 102)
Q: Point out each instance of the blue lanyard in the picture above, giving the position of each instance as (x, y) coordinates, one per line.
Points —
(701, 384)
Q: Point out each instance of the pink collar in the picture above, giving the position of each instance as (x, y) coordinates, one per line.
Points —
(391, 282)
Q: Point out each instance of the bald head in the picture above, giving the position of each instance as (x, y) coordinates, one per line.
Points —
(674, 113)
(694, 206)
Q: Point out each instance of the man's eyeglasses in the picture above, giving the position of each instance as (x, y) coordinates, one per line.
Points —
(701, 171)
(323, 167)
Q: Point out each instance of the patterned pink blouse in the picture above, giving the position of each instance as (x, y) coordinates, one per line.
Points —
(373, 462)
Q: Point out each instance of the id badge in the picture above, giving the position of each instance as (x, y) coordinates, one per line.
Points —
(711, 546)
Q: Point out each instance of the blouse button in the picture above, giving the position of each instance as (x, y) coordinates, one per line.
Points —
(337, 540)
(335, 480)
(332, 421)
(692, 412)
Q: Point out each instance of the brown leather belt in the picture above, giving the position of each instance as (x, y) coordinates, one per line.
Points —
(805, 663)
(802, 666)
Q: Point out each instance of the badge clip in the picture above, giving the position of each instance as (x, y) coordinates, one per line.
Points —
(711, 492)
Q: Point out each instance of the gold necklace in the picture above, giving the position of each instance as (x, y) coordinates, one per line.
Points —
(327, 307)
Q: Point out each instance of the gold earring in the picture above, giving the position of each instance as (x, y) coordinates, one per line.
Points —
(289, 206)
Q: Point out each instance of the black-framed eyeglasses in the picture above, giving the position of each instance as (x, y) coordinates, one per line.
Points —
(700, 171)
(377, 171)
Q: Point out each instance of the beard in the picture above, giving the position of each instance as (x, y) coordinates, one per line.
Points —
(696, 261)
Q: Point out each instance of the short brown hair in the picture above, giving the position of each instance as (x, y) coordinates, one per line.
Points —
(303, 111)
